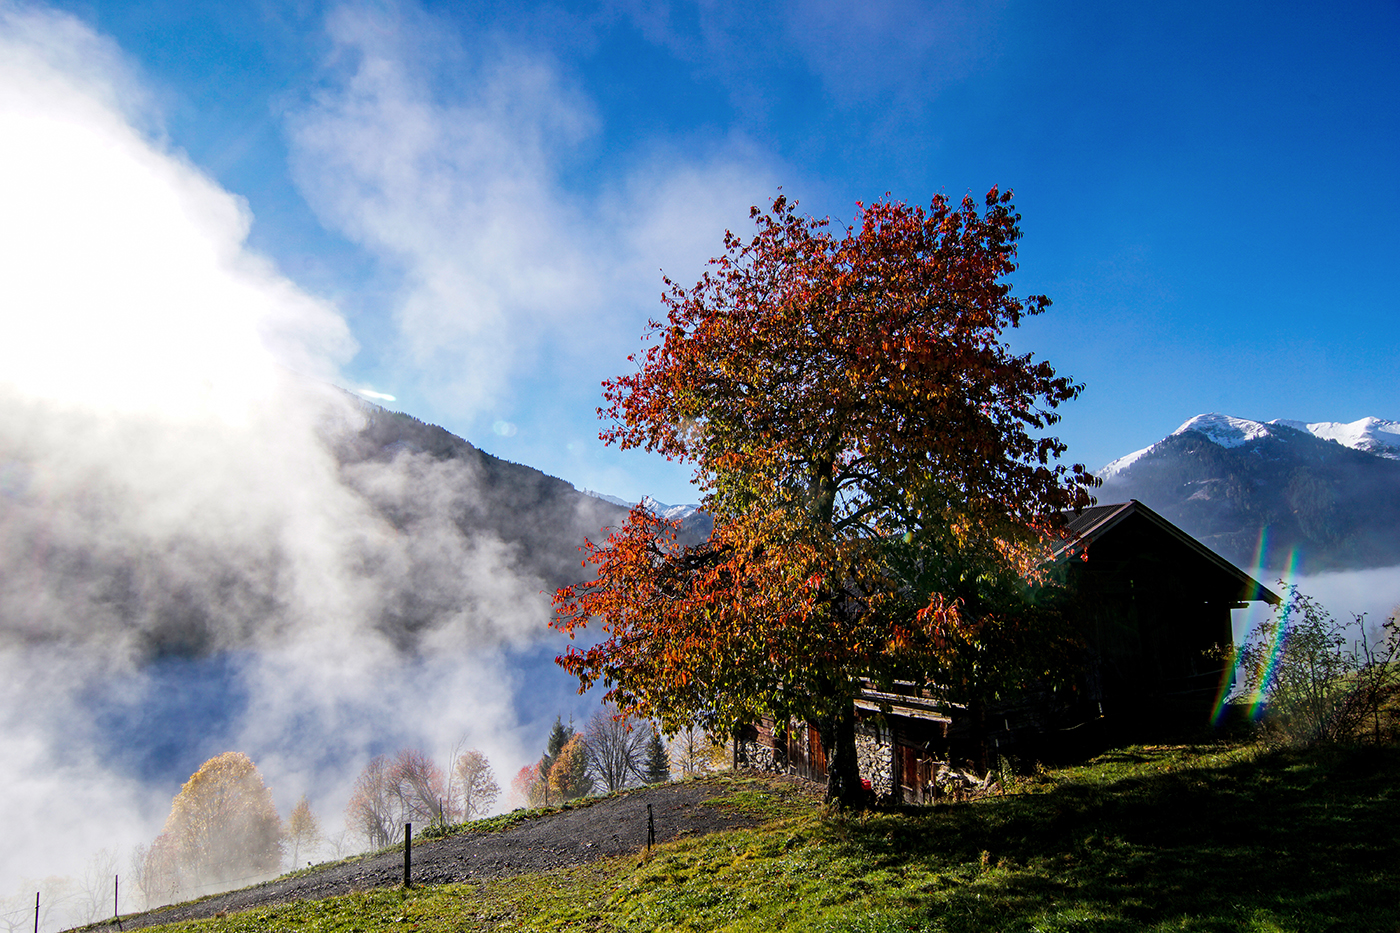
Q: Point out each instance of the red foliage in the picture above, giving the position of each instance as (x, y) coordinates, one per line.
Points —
(872, 453)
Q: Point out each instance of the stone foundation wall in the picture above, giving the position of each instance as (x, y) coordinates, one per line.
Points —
(756, 756)
(875, 758)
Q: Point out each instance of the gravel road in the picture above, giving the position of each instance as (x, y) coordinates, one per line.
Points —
(613, 826)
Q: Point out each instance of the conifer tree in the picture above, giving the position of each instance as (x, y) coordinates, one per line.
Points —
(558, 737)
(569, 778)
(658, 763)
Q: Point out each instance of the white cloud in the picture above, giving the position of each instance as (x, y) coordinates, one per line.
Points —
(128, 287)
(460, 194)
(164, 487)
(511, 276)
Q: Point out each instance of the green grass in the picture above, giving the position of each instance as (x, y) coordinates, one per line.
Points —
(1206, 839)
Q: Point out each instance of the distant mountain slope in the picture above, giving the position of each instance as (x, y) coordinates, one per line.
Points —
(366, 516)
(1327, 493)
(696, 525)
(545, 518)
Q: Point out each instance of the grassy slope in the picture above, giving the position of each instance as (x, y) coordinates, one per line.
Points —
(1142, 839)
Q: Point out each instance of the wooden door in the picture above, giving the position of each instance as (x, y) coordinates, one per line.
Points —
(816, 755)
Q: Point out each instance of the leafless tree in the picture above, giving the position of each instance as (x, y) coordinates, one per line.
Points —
(56, 895)
(371, 811)
(339, 844)
(16, 913)
(95, 894)
(160, 877)
(136, 874)
(616, 748)
(421, 789)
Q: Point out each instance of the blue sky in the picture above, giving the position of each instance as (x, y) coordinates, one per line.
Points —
(485, 194)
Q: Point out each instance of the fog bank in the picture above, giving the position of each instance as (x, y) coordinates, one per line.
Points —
(189, 567)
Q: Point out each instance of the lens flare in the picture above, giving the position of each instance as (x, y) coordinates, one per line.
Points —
(1231, 670)
(1276, 642)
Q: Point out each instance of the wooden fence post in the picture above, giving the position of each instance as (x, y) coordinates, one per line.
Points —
(407, 854)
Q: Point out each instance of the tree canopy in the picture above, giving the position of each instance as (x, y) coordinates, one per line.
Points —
(303, 829)
(223, 825)
(874, 457)
(476, 782)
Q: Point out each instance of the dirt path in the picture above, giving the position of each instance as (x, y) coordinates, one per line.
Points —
(614, 826)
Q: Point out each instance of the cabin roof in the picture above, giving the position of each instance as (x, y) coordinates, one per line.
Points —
(1093, 523)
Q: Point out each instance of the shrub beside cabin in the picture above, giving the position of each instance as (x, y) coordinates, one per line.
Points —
(1152, 607)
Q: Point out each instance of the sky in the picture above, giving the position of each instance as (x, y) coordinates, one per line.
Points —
(487, 194)
(212, 211)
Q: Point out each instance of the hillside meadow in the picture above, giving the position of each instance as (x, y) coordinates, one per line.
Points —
(1209, 838)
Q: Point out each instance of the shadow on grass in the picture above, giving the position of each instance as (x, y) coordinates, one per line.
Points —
(1288, 840)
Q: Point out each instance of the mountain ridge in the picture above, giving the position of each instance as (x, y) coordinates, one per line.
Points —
(1316, 496)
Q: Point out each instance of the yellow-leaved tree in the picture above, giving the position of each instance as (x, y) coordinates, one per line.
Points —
(303, 829)
(223, 825)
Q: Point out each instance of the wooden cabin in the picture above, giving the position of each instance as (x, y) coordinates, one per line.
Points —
(1151, 605)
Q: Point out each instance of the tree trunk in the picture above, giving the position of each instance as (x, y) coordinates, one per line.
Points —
(843, 785)
(977, 734)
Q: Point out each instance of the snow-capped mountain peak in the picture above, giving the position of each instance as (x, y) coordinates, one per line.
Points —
(1224, 430)
(672, 513)
(1373, 435)
(1122, 463)
(1310, 496)
(660, 509)
(606, 498)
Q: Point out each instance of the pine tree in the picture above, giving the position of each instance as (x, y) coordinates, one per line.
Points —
(559, 737)
(569, 778)
(658, 763)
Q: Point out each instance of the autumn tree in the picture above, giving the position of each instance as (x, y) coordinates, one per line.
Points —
(616, 748)
(569, 778)
(693, 752)
(303, 829)
(527, 788)
(476, 784)
(874, 457)
(223, 825)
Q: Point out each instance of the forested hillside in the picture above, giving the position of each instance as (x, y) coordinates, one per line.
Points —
(1333, 507)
